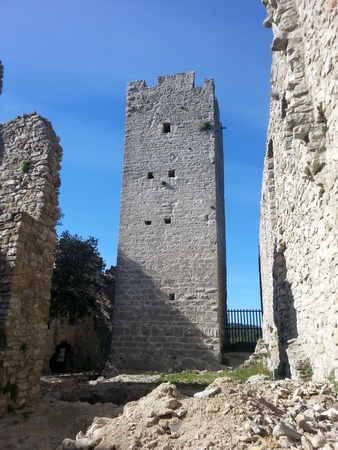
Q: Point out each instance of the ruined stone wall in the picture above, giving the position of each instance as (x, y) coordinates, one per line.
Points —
(299, 204)
(90, 337)
(85, 351)
(170, 294)
(29, 168)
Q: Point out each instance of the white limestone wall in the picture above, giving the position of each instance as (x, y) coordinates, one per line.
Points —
(298, 232)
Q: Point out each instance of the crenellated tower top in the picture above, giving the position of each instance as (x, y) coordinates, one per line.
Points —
(180, 81)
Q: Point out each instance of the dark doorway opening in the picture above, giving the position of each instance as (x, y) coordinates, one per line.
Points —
(62, 359)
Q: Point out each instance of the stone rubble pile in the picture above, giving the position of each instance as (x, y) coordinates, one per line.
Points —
(227, 415)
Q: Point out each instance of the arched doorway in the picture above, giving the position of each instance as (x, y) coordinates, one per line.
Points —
(62, 359)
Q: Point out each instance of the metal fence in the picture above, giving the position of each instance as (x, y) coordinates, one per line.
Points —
(243, 329)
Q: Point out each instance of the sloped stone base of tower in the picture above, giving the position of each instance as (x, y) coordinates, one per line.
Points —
(152, 332)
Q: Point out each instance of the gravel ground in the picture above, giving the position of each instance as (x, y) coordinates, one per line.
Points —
(227, 415)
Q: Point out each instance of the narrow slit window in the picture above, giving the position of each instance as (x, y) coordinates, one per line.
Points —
(270, 149)
(150, 175)
(171, 173)
(284, 107)
(166, 128)
(147, 222)
(167, 220)
(172, 296)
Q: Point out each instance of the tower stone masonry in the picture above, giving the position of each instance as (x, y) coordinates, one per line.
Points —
(170, 299)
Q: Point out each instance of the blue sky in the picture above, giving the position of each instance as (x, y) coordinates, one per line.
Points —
(70, 61)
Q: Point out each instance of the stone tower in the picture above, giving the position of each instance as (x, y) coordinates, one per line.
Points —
(170, 299)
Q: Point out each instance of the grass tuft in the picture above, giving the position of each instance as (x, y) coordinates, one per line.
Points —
(205, 126)
(12, 389)
(204, 378)
(25, 165)
(242, 373)
(191, 377)
(331, 379)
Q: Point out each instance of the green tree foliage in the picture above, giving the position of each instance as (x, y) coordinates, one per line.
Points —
(76, 274)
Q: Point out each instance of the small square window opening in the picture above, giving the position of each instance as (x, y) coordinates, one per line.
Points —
(172, 296)
(171, 173)
(167, 220)
(147, 222)
(166, 128)
(150, 175)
